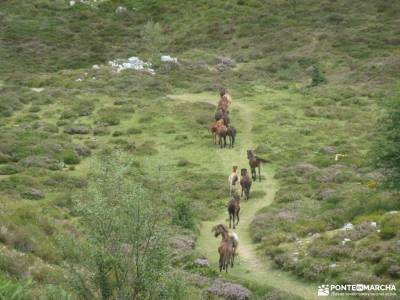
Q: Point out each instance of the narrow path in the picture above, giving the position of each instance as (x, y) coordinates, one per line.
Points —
(249, 265)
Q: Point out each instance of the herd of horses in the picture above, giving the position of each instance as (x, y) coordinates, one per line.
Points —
(220, 130)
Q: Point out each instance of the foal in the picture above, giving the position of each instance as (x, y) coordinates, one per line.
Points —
(228, 246)
(233, 210)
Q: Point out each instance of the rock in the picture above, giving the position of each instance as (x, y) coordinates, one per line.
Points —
(121, 9)
(345, 241)
(332, 265)
(79, 80)
(224, 63)
(202, 262)
(348, 226)
(72, 3)
(229, 290)
(394, 271)
(183, 242)
(328, 150)
(373, 224)
(37, 90)
(82, 150)
(133, 63)
(33, 194)
(167, 58)
(95, 67)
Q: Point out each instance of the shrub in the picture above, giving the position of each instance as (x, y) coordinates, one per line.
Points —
(70, 158)
(183, 213)
(390, 226)
(316, 77)
(134, 130)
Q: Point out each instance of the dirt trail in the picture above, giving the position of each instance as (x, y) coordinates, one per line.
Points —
(249, 265)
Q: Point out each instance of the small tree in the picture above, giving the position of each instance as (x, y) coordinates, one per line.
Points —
(125, 256)
(317, 77)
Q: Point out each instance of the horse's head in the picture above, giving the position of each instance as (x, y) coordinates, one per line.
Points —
(219, 229)
(243, 172)
(250, 154)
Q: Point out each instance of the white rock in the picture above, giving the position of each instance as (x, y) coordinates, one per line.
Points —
(345, 241)
(79, 80)
(167, 58)
(93, 78)
(120, 9)
(37, 90)
(95, 67)
(392, 212)
(72, 3)
(333, 266)
(373, 224)
(348, 226)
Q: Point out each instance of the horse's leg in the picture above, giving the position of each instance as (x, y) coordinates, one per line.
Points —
(237, 215)
(241, 195)
(221, 262)
(230, 218)
(233, 217)
(259, 172)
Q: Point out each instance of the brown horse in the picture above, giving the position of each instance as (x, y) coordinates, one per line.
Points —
(222, 115)
(227, 248)
(222, 133)
(233, 210)
(232, 136)
(215, 128)
(255, 162)
(245, 182)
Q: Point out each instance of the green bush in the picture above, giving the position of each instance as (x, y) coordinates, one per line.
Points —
(316, 77)
(390, 226)
(183, 213)
(70, 158)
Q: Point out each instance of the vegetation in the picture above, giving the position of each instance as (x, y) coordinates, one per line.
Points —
(314, 84)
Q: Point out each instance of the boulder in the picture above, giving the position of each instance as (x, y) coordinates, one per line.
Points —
(33, 194)
(202, 262)
(183, 242)
(229, 290)
(82, 150)
(169, 59)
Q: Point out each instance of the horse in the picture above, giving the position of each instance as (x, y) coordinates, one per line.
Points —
(232, 136)
(214, 129)
(221, 132)
(233, 181)
(255, 162)
(233, 210)
(227, 248)
(222, 114)
(245, 182)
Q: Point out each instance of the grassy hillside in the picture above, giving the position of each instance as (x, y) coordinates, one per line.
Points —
(314, 72)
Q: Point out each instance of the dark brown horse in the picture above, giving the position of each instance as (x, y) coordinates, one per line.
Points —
(245, 182)
(233, 210)
(255, 162)
(232, 136)
(227, 248)
(222, 115)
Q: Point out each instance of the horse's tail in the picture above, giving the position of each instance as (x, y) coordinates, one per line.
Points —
(263, 160)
